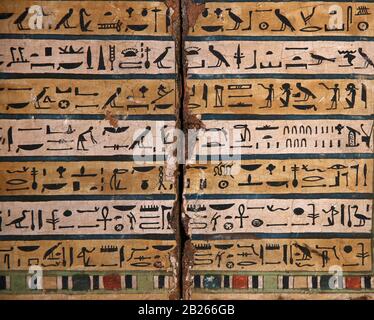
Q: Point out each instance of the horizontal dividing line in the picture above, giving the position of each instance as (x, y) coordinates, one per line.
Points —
(96, 272)
(267, 273)
(312, 76)
(26, 237)
(119, 158)
(263, 235)
(197, 196)
(150, 117)
(329, 294)
(202, 158)
(96, 37)
(79, 197)
(103, 0)
(278, 38)
(272, 1)
(33, 295)
(285, 156)
(154, 294)
(216, 116)
(172, 117)
(84, 76)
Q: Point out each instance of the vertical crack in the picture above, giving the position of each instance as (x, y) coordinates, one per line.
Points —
(185, 13)
(188, 13)
(183, 236)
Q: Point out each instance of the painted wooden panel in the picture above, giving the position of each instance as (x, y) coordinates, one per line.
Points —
(89, 101)
(273, 183)
(119, 98)
(268, 18)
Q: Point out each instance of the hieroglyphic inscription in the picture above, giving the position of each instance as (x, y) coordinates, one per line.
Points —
(281, 96)
(277, 95)
(88, 106)
(122, 217)
(86, 17)
(119, 97)
(281, 176)
(268, 18)
(85, 255)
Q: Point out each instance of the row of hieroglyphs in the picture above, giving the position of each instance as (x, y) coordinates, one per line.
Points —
(277, 57)
(81, 137)
(283, 254)
(284, 18)
(86, 18)
(62, 96)
(149, 138)
(87, 56)
(208, 216)
(87, 255)
(85, 178)
(257, 254)
(281, 96)
(248, 137)
(286, 176)
(121, 217)
(228, 18)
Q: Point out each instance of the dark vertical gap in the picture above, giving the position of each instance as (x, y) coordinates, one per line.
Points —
(183, 237)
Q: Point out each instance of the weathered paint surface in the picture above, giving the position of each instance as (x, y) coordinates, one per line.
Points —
(269, 188)
(226, 216)
(264, 18)
(87, 255)
(281, 176)
(119, 217)
(89, 57)
(89, 100)
(86, 17)
(277, 57)
(250, 96)
(283, 255)
(119, 98)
